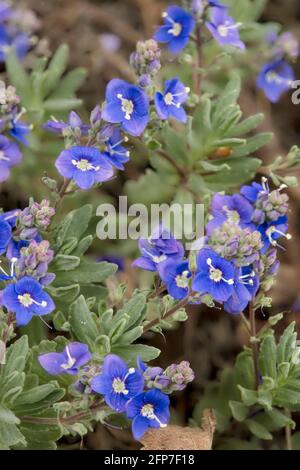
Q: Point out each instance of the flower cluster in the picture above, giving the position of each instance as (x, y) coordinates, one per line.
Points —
(10, 127)
(239, 254)
(146, 61)
(12, 32)
(28, 257)
(134, 391)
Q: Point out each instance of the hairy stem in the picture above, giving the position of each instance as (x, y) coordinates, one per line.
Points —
(254, 345)
(288, 434)
(168, 314)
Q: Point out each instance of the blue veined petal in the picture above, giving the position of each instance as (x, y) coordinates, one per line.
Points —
(162, 34)
(112, 112)
(64, 164)
(102, 384)
(52, 363)
(177, 44)
(136, 125)
(160, 106)
(178, 113)
(84, 179)
(117, 401)
(140, 424)
(114, 366)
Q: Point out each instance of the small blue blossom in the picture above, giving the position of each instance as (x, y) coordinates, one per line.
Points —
(26, 298)
(224, 29)
(160, 247)
(10, 156)
(178, 25)
(85, 165)
(148, 410)
(176, 276)
(272, 231)
(275, 79)
(74, 122)
(20, 42)
(246, 285)
(115, 153)
(19, 130)
(214, 275)
(169, 103)
(117, 383)
(235, 208)
(74, 356)
(128, 105)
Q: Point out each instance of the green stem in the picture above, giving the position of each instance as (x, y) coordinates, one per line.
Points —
(254, 345)
(168, 314)
(288, 434)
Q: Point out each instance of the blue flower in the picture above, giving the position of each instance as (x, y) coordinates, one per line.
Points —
(10, 156)
(115, 152)
(5, 235)
(74, 121)
(246, 285)
(252, 192)
(224, 29)
(235, 208)
(117, 382)
(272, 231)
(74, 356)
(26, 298)
(20, 42)
(85, 165)
(148, 410)
(178, 25)
(11, 217)
(214, 275)
(169, 103)
(128, 105)
(275, 78)
(160, 247)
(19, 130)
(176, 276)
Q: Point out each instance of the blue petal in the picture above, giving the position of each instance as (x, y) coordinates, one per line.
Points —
(101, 384)
(64, 164)
(140, 424)
(52, 363)
(114, 366)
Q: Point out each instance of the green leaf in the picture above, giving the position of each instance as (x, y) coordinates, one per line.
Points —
(248, 125)
(239, 410)
(130, 353)
(258, 429)
(82, 322)
(18, 77)
(7, 416)
(10, 435)
(86, 273)
(267, 357)
(253, 144)
(286, 344)
(58, 104)
(64, 263)
(56, 68)
(249, 397)
(134, 311)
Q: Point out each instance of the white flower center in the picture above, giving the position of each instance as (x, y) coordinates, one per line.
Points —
(159, 259)
(182, 280)
(273, 77)
(26, 300)
(119, 385)
(168, 98)
(224, 29)
(71, 360)
(147, 411)
(175, 30)
(127, 106)
(216, 274)
(84, 165)
(2, 156)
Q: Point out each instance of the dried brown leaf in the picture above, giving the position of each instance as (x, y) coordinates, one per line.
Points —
(182, 438)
